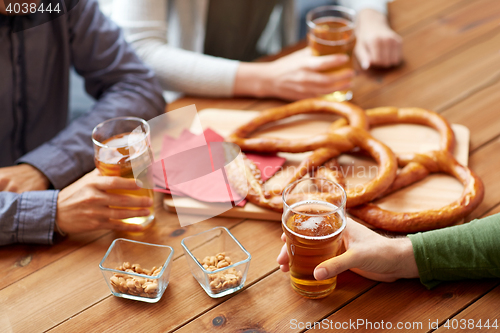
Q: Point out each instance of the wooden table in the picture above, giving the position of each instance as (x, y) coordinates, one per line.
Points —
(452, 65)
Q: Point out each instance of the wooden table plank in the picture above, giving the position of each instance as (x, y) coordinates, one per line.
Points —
(271, 304)
(184, 298)
(75, 282)
(486, 308)
(409, 301)
(480, 114)
(442, 85)
(405, 15)
(485, 162)
(451, 64)
(21, 260)
(454, 32)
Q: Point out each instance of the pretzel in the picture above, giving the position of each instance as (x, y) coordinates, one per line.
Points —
(324, 146)
(416, 167)
(355, 117)
(436, 161)
(341, 138)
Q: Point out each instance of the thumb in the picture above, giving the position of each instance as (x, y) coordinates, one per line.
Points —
(326, 62)
(335, 266)
(363, 56)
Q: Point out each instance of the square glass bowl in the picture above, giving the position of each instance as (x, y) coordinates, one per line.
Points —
(133, 282)
(217, 282)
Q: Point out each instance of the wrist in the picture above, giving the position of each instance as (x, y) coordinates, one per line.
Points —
(371, 19)
(407, 266)
(250, 80)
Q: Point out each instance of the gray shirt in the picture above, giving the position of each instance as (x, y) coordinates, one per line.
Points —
(34, 83)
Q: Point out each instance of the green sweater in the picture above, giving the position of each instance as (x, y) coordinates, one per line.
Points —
(468, 251)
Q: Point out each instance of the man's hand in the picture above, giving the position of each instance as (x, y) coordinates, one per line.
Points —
(368, 254)
(377, 44)
(22, 178)
(84, 205)
(296, 76)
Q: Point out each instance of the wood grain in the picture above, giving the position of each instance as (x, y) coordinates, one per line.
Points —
(56, 292)
(485, 162)
(184, 299)
(409, 301)
(486, 308)
(441, 85)
(20, 260)
(405, 15)
(480, 113)
(452, 33)
(271, 305)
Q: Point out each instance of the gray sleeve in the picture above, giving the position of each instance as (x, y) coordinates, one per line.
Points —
(28, 217)
(114, 75)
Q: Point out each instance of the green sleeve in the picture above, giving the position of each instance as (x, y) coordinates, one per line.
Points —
(468, 251)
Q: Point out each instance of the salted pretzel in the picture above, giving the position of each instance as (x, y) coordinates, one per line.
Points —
(417, 166)
(355, 117)
(324, 147)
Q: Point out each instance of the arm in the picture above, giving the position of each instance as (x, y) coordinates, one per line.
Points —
(468, 251)
(114, 75)
(368, 254)
(145, 25)
(293, 77)
(28, 217)
(377, 44)
(31, 217)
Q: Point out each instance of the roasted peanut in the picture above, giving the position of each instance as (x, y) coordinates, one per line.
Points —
(222, 280)
(133, 285)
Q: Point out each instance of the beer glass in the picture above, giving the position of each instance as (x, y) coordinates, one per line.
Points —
(313, 222)
(121, 144)
(331, 31)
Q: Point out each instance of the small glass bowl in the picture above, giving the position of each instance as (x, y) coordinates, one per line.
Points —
(132, 285)
(222, 281)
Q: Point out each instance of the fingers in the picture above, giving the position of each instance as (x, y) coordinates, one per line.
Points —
(120, 214)
(362, 55)
(326, 62)
(113, 183)
(335, 266)
(283, 259)
(128, 200)
(382, 51)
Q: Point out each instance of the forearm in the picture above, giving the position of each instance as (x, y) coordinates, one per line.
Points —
(186, 71)
(113, 75)
(468, 251)
(249, 80)
(27, 217)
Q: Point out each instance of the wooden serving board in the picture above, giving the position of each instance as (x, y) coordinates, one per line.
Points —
(434, 191)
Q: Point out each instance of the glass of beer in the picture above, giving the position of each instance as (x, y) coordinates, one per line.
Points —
(120, 146)
(331, 31)
(313, 222)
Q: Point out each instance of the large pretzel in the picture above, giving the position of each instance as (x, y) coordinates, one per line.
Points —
(324, 146)
(416, 167)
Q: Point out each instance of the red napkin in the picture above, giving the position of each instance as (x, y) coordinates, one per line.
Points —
(209, 186)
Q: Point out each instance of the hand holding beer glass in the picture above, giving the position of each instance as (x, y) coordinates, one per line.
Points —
(313, 228)
(331, 31)
(120, 144)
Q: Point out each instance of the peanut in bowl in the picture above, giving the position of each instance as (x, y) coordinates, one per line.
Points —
(136, 270)
(217, 261)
